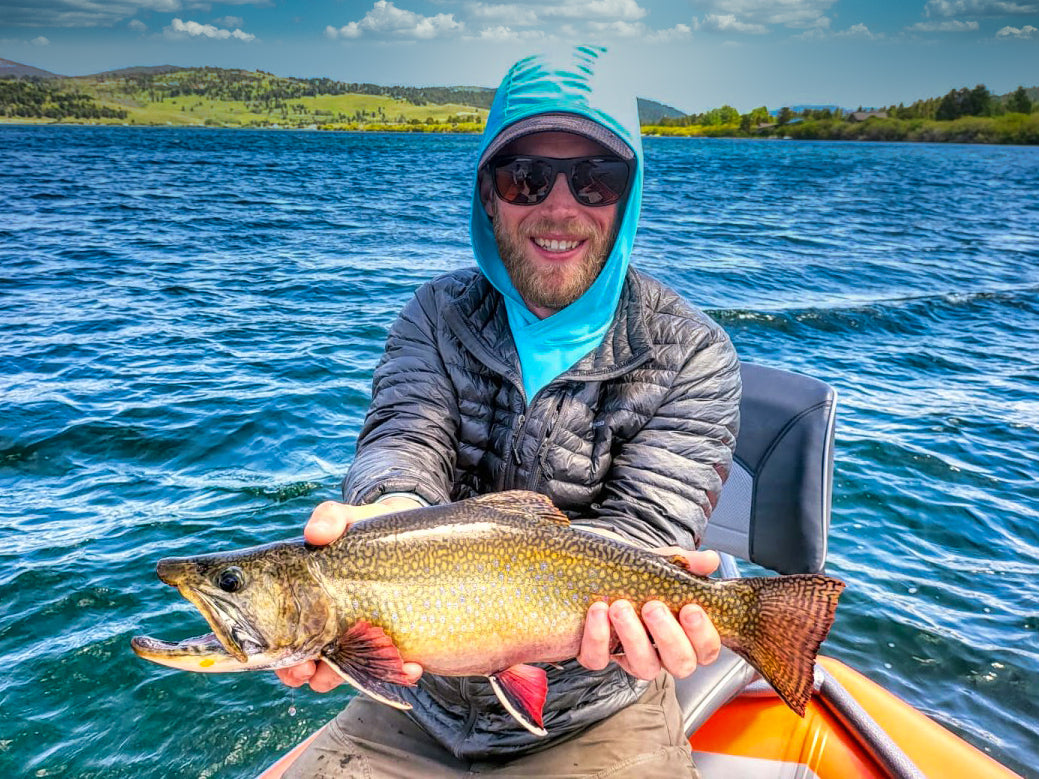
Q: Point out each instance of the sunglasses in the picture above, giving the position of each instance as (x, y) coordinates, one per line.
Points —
(526, 180)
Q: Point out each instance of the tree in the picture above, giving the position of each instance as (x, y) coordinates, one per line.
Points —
(980, 101)
(785, 115)
(1019, 103)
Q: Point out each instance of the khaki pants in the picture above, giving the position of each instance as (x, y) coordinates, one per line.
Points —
(371, 740)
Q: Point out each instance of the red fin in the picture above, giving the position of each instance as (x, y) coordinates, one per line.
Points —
(522, 690)
(367, 658)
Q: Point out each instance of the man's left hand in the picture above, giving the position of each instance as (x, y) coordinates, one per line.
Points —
(658, 640)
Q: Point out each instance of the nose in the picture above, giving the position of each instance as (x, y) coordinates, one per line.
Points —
(174, 570)
(560, 198)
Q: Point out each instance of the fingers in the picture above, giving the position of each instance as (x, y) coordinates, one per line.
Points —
(701, 633)
(296, 675)
(659, 640)
(676, 652)
(640, 658)
(595, 641)
(702, 563)
(327, 522)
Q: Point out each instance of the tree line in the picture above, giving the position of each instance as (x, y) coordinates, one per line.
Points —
(37, 99)
(958, 103)
(267, 89)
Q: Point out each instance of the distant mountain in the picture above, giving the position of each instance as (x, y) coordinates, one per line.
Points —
(651, 112)
(9, 69)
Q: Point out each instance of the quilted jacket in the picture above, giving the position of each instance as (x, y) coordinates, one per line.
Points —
(636, 437)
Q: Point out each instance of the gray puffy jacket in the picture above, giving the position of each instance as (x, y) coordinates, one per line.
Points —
(637, 437)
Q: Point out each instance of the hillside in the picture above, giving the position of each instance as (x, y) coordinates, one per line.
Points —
(219, 97)
(10, 69)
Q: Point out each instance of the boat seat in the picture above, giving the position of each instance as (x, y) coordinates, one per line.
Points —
(774, 510)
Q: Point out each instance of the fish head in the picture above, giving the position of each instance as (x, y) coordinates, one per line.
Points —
(262, 604)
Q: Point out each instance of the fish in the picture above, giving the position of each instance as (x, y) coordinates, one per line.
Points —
(486, 586)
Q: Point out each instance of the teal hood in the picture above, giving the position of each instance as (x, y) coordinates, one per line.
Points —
(577, 85)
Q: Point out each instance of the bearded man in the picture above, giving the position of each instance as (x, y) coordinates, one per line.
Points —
(552, 367)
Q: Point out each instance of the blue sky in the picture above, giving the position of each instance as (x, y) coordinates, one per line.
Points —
(693, 54)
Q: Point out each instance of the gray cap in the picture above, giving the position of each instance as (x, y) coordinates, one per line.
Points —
(566, 123)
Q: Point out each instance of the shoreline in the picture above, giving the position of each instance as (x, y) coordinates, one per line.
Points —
(955, 136)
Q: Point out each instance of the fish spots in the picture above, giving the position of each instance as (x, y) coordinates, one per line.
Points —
(207, 663)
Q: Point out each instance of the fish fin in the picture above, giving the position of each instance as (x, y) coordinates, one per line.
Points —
(784, 626)
(531, 505)
(522, 690)
(368, 659)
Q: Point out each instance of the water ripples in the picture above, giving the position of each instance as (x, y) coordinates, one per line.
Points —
(192, 319)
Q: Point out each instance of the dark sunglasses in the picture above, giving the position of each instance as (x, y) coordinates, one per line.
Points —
(526, 180)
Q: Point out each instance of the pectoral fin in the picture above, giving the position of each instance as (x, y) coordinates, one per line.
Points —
(522, 690)
(368, 659)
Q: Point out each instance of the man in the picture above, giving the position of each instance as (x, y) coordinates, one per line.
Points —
(554, 368)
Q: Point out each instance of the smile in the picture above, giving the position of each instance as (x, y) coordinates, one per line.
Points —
(556, 246)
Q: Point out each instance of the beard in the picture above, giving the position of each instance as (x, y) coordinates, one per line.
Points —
(551, 287)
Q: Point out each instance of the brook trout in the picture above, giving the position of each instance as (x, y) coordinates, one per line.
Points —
(485, 586)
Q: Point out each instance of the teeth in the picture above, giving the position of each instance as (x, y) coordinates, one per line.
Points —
(556, 246)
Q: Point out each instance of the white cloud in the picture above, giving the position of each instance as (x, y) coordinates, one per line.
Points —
(859, 30)
(229, 21)
(729, 23)
(501, 32)
(137, 25)
(512, 15)
(387, 19)
(179, 30)
(947, 8)
(677, 33)
(40, 41)
(1028, 31)
(620, 10)
(800, 14)
(952, 25)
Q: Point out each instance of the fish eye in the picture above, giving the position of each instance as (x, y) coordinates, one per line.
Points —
(230, 579)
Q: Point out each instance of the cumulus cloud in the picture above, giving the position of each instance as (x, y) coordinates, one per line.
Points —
(94, 13)
(180, 30)
(951, 25)
(984, 8)
(1028, 31)
(800, 14)
(503, 32)
(229, 21)
(137, 25)
(39, 40)
(510, 14)
(387, 19)
(617, 10)
(729, 23)
(859, 30)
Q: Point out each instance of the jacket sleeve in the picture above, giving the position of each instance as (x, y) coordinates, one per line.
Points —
(666, 479)
(407, 443)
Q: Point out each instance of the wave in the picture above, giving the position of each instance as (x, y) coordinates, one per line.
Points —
(894, 314)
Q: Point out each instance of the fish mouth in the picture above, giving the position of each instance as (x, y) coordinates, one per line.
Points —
(237, 637)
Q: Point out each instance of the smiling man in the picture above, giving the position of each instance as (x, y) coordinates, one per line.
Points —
(552, 367)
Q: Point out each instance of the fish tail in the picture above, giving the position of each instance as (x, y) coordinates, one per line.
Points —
(785, 621)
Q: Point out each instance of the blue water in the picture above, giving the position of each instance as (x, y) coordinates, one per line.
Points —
(189, 324)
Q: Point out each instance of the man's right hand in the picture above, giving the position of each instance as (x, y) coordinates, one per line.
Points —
(327, 523)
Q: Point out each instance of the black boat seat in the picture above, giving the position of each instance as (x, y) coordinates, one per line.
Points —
(774, 510)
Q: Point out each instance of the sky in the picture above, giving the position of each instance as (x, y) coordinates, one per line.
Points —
(691, 54)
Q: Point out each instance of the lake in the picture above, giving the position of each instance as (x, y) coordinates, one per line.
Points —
(190, 322)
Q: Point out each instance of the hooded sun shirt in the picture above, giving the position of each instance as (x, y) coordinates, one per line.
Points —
(576, 87)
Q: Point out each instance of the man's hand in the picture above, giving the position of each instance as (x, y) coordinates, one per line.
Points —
(327, 523)
(657, 640)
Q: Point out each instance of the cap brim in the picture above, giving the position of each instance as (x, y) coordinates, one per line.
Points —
(566, 123)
